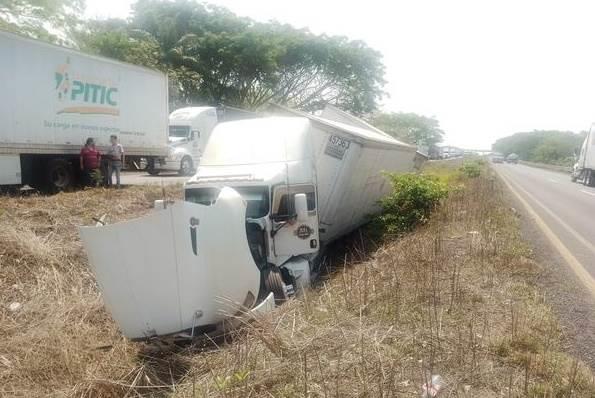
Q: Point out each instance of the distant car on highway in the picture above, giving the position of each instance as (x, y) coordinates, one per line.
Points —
(512, 158)
(497, 158)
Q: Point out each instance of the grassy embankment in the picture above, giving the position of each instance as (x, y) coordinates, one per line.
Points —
(455, 297)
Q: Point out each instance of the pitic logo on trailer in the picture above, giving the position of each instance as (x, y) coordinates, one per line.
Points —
(84, 96)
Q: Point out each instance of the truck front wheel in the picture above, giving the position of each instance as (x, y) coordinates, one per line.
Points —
(273, 282)
(59, 175)
(588, 178)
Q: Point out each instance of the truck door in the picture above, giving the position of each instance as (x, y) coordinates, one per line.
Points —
(293, 237)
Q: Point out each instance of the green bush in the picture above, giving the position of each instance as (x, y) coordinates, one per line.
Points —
(413, 198)
(471, 168)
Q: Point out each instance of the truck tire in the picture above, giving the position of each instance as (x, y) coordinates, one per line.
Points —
(59, 175)
(151, 169)
(273, 282)
(186, 166)
(587, 180)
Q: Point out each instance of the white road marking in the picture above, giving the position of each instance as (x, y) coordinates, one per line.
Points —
(588, 192)
(554, 181)
(571, 260)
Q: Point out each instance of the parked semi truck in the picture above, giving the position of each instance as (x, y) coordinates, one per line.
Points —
(189, 130)
(53, 98)
(268, 196)
(583, 170)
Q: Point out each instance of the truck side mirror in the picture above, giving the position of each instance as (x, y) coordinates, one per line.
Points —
(301, 207)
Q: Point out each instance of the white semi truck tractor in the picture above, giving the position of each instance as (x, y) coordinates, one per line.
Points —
(584, 168)
(53, 98)
(189, 130)
(268, 195)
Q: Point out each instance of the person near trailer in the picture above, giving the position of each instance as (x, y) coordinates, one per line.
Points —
(105, 162)
(115, 155)
(90, 160)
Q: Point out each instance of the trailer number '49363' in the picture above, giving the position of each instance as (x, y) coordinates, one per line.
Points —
(336, 146)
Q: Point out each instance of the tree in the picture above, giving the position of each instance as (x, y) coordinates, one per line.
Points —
(214, 56)
(49, 20)
(544, 146)
(113, 39)
(409, 127)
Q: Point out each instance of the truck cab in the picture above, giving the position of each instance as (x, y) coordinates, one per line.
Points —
(189, 130)
(582, 170)
(277, 181)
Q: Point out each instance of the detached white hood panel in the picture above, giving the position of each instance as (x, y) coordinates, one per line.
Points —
(157, 272)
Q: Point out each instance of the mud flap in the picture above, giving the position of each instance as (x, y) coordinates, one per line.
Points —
(182, 267)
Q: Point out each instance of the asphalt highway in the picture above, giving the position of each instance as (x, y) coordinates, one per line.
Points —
(563, 210)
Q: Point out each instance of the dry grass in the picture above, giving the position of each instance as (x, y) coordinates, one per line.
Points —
(454, 298)
(53, 342)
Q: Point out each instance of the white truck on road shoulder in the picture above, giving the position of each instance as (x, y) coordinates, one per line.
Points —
(584, 168)
(268, 195)
(53, 98)
(189, 130)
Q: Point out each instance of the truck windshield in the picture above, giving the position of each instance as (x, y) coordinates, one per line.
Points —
(179, 131)
(257, 141)
(257, 198)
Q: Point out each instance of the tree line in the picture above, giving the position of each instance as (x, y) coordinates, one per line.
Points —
(213, 56)
(542, 146)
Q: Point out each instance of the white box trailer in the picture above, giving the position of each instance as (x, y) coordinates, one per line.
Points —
(268, 195)
(54, 98)
(584, 168)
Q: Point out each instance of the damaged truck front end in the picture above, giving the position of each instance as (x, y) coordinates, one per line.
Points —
(183, 268)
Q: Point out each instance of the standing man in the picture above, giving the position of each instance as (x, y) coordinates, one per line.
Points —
(90, 159)
(115, 154)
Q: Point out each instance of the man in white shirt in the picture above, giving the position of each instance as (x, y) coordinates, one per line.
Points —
(115, 155)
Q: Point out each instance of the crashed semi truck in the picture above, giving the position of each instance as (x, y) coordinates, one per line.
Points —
(269, 194)
(54, 98)
(584, 168)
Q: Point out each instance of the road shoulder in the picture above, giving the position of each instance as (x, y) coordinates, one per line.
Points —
(563, 290)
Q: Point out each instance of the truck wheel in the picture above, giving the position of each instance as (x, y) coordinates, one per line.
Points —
(186, 166)
(273, 282)
(59, 175)
(151, 169)
(587, 178)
